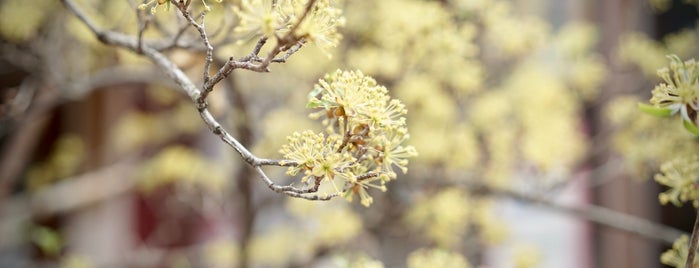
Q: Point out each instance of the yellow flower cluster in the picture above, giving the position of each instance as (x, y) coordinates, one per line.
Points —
(20, 21)
(436, 258)
(584, 69)
(221, 253)
(179, 164)
(153, 4)
(527, 256)
(366, 134)
(317, 156)
(669, 139)
(677, 255)
(65, 159)
(278, 246)
(680, 175)
(513, 35)
(325, 224)
(275, 18)
(320, 25)
(135, 130)
(678, 93)
(648, 54)
(359, 261)
(260, 17)
(442, 218)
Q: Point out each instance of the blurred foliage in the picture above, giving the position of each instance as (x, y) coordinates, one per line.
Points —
(442, 218)
(224, 253)
(136, 130)
(361, 261)
(48, 240)
(526, 256)
(64, 160)
(436, 258)
(31, 17)
(638, 49)
(76, 261)
(325, 224)
(633, 128)
(179, 164)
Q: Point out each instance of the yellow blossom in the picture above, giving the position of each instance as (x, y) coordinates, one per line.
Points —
(321, 25)
(442, 218)
(677, 255)
(259, 17)
(368, 129)
(436, 258)
(680, 175)
(316, 156)
(679, 92)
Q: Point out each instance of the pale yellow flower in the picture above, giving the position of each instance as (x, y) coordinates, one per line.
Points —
(436, 258)
(680, 90)
(681, 176)
(259, 17)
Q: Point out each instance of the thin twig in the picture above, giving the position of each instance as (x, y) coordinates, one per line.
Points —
(177, 36)
(290, 52)
(344, 143)
(143, 26)
(309, 7)
(185, 85)
(259, 45)
(200, 27)
(368, 175)
(283, 43)
(693, 243)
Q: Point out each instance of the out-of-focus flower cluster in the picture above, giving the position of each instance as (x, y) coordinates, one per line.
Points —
(436, 258)
(442, 218)
(677, 255)
(364, 140)
(154, 4)
(64, 161)
(679, 92)
(527, 256)
(276, 18)
(681, 175)
(669, 138)
(448, 216)
(168, 167)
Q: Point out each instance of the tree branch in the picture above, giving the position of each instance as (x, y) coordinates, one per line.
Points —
(204, 37)
(198, 97)
(600, 215)
(693, 243)
(65, 196)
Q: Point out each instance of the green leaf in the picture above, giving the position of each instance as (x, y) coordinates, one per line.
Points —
(674, 58)
(657, 111)
(691, 127)
(314, 103)
(315, 92)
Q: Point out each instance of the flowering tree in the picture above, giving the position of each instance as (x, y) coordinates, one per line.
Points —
(501, 105)
(367, 129)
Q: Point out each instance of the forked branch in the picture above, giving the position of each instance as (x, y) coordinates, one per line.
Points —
(197, 96)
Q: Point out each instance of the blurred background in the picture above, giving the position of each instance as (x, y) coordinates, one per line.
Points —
(532, 152)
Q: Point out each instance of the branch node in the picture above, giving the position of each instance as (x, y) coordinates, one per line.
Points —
(102, 37)
(217, 130)
(201, 104)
